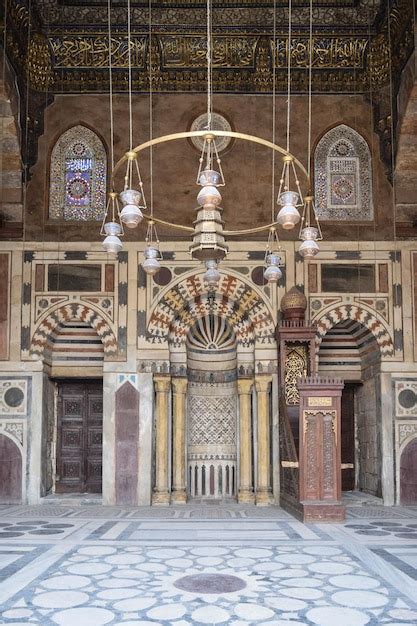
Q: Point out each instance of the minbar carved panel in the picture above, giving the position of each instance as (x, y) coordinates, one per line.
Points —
(320, 449)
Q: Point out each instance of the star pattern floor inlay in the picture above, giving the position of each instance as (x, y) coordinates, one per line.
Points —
(136, 566)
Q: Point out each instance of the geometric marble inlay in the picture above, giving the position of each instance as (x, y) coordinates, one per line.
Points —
(406, 398)
(187, 582)
(13, 396)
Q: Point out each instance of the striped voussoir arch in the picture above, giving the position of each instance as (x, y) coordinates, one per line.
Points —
(70, 313)
(357, 314)
(184, 303)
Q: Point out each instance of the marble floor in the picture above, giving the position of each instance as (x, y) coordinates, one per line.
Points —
(92, 565)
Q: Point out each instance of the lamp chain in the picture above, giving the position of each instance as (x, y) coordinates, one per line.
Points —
(209, 65)
(307, 216)
(310, 75)
(150, 108)
(111, 97)
(289, 73)
(274, 84)
(129, 56)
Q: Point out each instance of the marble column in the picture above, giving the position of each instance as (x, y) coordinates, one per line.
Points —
(386, 410)
(179, 389)
(244, 389)
(263, 483)
(161, 491)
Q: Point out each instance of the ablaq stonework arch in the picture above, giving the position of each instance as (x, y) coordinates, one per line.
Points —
(68, 313)
(358, 314)
(245, 309)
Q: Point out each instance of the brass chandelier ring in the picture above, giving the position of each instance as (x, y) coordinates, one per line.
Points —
(212, 133)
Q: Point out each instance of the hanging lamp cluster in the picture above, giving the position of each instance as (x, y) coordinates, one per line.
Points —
(310, 230)
(208, 234)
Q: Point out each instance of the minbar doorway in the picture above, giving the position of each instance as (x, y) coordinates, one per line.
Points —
(79, 437)
(348, 437)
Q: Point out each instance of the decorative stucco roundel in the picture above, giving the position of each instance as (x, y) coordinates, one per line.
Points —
(364, 317)
(68, 313)
(179, 308)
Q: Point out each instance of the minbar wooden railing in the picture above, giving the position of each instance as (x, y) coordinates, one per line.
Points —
(289, 472)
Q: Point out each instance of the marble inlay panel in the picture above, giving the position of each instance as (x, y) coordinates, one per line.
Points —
(300, 584)
(15, 396)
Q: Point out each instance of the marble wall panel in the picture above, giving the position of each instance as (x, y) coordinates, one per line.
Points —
(4, 305)
(406, 398)
(15, 396)
(126, 444)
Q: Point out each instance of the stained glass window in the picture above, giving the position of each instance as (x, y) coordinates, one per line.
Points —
(343, 176)
(78, 176)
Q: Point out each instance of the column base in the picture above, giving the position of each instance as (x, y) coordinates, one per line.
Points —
(160, 498)
(319, 511)
(263, 498)
(179, 496)
(245, 496)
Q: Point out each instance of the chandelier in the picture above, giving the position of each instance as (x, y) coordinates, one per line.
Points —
(208, 245)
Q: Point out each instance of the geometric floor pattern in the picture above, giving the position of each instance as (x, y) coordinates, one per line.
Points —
(68, 567)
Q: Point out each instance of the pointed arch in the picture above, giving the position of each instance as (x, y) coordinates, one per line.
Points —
(343, 176)
(12, 460)
(182, 304)
(358, 314)
(78, 170)
(68, 313)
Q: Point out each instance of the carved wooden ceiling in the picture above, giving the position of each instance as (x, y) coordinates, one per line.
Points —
(61, 46)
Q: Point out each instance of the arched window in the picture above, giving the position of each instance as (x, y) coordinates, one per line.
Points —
(343, 176)
(78, 176)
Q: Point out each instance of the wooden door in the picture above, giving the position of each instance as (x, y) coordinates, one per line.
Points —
(80, 437)
(348, 437)
(408, 474)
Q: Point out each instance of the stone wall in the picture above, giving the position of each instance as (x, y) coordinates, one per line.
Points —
(11, 207)
(174, 178)
(137, 310)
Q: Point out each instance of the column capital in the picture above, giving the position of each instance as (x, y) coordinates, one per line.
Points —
(162, 382)
(244, 386)
(262, 382)
(179, 384)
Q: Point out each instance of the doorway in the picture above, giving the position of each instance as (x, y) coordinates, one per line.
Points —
(79, 437)
(408, 474)
(348, 437)
(10, 471)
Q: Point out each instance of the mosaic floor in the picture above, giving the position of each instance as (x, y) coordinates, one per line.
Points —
(91, 565)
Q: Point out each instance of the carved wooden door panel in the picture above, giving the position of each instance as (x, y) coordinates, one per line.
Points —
(94, 438)
(79, 445)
